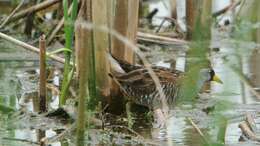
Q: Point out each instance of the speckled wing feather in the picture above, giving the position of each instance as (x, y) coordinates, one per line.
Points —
(141, 88)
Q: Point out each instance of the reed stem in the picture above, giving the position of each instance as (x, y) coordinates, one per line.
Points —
(42, 84)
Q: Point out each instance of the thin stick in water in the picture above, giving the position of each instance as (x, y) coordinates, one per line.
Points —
(42, 93)
(198, 130)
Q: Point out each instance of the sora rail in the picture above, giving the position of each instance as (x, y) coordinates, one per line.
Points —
(140, 88)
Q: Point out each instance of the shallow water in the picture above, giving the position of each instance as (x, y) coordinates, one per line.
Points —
(179, 131)
(241, 54)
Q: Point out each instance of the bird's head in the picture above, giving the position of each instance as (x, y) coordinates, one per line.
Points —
(208, 74)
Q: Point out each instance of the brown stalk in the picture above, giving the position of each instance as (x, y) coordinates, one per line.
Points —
(248, 132)
(42, 92)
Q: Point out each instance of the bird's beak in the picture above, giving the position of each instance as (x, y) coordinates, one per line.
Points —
(217, 79)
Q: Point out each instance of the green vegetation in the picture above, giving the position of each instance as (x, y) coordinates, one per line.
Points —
(69, 35)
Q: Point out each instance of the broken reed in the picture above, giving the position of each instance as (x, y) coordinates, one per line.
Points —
(42, 84)
(69, 34)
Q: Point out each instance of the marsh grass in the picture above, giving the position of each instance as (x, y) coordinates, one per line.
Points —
(69, 21)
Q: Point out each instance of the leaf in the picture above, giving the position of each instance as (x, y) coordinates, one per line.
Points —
(58, 51)
(74, 10)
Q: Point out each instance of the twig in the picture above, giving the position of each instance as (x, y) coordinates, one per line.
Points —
(120, 86)
(224, 10)
(198, 130)
(59, 136)
(160, 26)
(172, 20)
(55, 90)
(29, 47)
(21, 140)
(38, 7)
(124, 127)
(248, 132)
(13, 12)
(251, 122)
(160, 39)
(144, 141)
(58, 27)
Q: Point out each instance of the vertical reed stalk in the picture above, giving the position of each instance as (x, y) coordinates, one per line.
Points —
(101, 45)
(133, 15)
(85, 15)
(110, 19)
(83, 82)
(42, 93)
(199, 27)
(190, 10)
(125, 22)
(69, 35)
(84, 46)
(120, 25)
(173, 9)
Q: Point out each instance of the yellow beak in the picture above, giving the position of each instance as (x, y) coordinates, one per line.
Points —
(217, 79)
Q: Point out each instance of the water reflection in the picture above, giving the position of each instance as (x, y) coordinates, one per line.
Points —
(231, 90)
(176, 133)
(13, 93)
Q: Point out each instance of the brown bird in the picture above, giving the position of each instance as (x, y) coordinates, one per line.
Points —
(139, 87)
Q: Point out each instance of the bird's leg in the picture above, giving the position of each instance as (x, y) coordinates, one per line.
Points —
(129, 114)
(160, 118)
